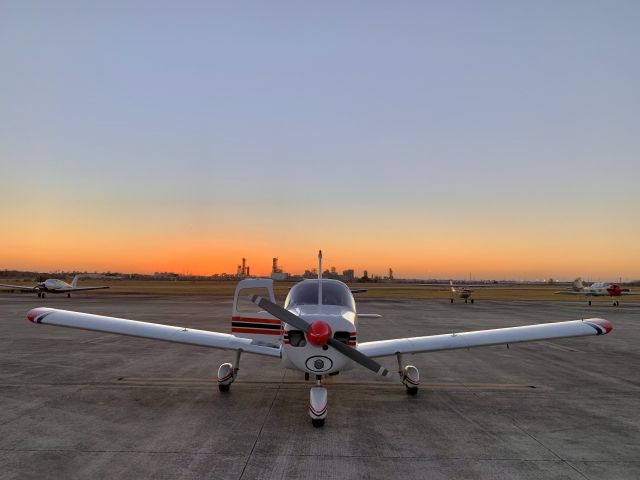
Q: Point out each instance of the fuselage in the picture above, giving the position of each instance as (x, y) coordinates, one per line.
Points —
(337, 311)
(601, 289)
(53, 285)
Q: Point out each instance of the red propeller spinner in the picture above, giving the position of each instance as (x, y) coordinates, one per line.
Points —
(319, 333)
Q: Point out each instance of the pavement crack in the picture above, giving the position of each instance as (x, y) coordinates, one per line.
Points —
(264, 422)
(550, 450)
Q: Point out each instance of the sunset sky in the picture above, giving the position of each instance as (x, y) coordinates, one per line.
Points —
(500, 139)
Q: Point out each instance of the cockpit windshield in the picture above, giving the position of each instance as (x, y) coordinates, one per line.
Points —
(333, 293)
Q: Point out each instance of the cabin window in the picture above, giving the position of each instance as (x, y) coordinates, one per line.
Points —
(333, 293)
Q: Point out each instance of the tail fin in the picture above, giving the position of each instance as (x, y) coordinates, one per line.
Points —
(453, 289)
(74, 282)
(577, 284)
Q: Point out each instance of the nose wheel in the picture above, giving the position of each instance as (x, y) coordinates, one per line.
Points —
(318, 403)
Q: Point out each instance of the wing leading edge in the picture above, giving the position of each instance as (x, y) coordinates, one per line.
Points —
(484, 338)
(19, 287)
(80, 289)
(155, 331)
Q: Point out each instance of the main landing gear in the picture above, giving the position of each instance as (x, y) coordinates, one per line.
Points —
(68, 295)
(41, 295)
(227, 374)
(466, 300)
(409, 375)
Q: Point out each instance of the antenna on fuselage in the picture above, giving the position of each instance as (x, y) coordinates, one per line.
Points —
(319, 277)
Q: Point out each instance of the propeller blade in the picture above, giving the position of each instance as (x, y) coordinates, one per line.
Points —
(301, 324)
(358, 357)
(280, 313)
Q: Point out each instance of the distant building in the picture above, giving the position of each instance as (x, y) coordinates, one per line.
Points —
(348, 275)
(276, 272)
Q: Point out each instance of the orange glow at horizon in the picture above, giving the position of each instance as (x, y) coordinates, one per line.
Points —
(443, 258)
(434, 247)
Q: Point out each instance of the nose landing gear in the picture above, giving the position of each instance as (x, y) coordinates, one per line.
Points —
(318, 403)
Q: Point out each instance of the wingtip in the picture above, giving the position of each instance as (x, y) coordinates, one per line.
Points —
(605, 324)
(35, 313)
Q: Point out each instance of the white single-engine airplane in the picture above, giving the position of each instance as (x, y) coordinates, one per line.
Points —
(598, 289)
(464, 291)
(53, 285)
(315, 333)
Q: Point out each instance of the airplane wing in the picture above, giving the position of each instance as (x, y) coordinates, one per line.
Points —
(155, 331)
(483, 338)
(569, 292)
(19, 287)
(79, 289)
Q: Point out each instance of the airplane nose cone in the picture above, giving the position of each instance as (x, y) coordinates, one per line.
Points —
(319, 333)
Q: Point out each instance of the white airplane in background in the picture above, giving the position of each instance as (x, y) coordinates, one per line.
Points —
(598, 289)
(53, 285)
(315, 333)
(464, 291)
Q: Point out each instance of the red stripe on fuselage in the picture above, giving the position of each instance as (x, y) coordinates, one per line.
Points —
(270, 321)
(259, 331)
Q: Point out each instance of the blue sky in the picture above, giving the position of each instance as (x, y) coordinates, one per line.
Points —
(263, 117)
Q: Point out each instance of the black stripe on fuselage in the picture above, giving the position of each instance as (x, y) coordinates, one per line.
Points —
(266, 326)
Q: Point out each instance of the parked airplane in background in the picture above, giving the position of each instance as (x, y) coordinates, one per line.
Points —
(599, 289)
(53, 285)
(465, 291)
(462, 292)
(315, 333)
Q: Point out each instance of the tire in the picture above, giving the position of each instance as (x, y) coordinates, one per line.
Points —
(589, 302)
(224, 388)
(68, 295)
(412, 391)
(317, 422)
(472, 300)
(452, 300)
(43, 295)
(465, 301)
